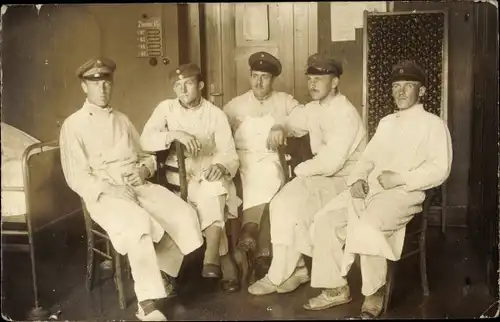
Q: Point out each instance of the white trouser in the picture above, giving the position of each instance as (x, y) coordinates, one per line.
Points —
(211, 213)
(329, 237)
(373, 273)
(285, 260)
(146, 261)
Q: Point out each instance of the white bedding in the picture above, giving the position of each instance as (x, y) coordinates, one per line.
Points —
(14, 143)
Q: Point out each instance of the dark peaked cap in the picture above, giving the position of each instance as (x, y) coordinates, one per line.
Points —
(96, 68)
(184, 71)
(321, 65)
(265, 62)
(408, 70)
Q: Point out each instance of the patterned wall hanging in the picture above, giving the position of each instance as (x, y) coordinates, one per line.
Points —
(395, 36)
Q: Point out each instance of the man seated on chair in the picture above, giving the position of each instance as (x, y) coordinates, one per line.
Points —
(257, 119)
(410, 152)
(211, 163)
(103, 163)
(336, 132)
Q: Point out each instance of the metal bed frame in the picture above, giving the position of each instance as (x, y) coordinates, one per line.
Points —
(48, 202)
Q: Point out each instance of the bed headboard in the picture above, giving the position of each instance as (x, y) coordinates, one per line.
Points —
(48, 197)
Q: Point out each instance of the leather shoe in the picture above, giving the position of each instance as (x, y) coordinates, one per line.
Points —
(211, 271)
(373, 305)
(230, 286)
(170, 285)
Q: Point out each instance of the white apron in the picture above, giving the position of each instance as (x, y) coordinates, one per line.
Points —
(158, 211)
(372, 227)
(260, 168)
(295, 207)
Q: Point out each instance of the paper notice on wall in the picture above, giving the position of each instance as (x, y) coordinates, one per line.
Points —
(347, 16)
(256, 22)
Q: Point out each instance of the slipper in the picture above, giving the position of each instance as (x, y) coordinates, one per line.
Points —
(299, 276)
(325, 300)
(293, 283)
(154, 315)
(262, 287)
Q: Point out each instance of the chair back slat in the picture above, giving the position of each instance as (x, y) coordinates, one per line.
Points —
(163, 168)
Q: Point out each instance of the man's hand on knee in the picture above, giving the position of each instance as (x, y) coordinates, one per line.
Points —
(121, 192)
(138, 176)
(359, 189)
(276, 137)
(215, 172)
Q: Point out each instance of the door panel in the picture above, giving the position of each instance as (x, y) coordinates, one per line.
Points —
(228, 46)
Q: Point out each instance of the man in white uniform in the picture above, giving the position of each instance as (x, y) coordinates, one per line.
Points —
(410, 152)
(211, 163)
(103, 163)
(336, 131)
(258, 119)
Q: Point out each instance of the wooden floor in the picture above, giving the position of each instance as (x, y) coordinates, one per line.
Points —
(456, 284)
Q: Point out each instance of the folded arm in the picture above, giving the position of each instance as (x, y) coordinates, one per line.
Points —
(366, 163)
(296, 124)
(437, 166)
(343, 138)
(155, 135)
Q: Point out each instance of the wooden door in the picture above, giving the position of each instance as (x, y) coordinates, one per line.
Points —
(234, 31)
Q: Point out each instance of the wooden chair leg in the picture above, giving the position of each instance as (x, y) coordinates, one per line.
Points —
(423, 264)
(128, 268)
(391, 274)
(89, 282)
(90, 263)
(118, 277)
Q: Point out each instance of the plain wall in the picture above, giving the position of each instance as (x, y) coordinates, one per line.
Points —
(42, 50)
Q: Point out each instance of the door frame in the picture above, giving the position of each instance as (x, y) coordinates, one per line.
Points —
(205, 32)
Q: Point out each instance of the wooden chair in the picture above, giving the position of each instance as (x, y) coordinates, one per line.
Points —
(415, 244)
(99, 245)
(162, 167)
(98, 242)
